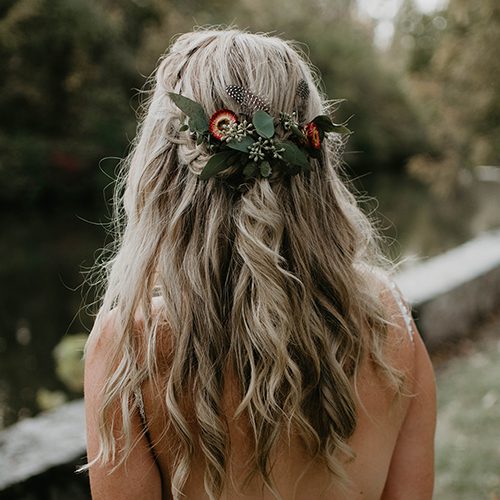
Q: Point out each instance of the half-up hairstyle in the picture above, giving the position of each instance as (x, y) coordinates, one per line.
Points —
(273, 282)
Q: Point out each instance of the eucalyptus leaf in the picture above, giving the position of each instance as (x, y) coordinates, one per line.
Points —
(297, 132)
(198, 123)
(294, 155)
(198, 120)
(184, 128)
(263, 123)
(242, 145)
(217, 163)
(265, 169)
(341, 129)
(325, 124)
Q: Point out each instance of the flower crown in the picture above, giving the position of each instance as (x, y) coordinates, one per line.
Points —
(251, 142)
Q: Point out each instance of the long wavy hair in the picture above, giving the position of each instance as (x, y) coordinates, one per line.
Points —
(274, 281)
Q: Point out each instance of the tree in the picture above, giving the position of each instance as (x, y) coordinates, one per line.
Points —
(72, 70)
(460, 89)
(69, 67)
(387, 131)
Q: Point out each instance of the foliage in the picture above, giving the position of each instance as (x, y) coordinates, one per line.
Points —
(251, 143)
(455, 76)
(73, 67)
(69, 363)
(68, 73)
(386, 128)
(416, 37)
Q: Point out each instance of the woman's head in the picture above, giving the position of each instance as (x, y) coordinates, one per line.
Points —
(201, 65)
(271, 280)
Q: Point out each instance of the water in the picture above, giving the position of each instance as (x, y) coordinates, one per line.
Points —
(42, 255)
(417, 224)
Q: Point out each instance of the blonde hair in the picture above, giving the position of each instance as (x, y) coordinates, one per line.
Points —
(273, 280)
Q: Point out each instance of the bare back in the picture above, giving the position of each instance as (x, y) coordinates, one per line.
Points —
(392, 442)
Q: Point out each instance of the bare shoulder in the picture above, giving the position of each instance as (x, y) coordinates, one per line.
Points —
(405, 347)
(411, 473)
(100, 357)
(107, 333)
(400, 335)
(101, 337)
(137, 476)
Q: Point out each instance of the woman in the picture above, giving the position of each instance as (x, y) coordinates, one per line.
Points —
(248, 343)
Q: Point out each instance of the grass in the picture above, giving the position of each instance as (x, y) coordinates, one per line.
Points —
(468, 430)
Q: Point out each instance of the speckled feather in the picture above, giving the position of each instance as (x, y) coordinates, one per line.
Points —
(248, 102)
(303, 90)
(302, 93)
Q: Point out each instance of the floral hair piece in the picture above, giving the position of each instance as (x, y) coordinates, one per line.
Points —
(250, 140)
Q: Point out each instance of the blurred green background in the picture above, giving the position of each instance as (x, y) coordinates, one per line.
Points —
(420, 80)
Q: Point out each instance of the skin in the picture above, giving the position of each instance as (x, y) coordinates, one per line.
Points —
(139, 476)
(393, 440)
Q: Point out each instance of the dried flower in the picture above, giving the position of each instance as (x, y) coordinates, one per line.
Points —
(313, 137)
(220, 121)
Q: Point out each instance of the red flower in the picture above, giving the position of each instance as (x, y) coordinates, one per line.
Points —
(312, 133)
(218, 120)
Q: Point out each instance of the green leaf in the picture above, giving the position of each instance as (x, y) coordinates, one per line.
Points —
(294, 155)
(298, 133)
(263, 123)
(184, 128)
(198, 123)
(325, 124)
(341, 129)
(243, 145)
(265, 169)
(198, 120)
(217, 163)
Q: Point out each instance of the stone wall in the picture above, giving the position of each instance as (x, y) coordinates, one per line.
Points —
(452, 292)
(38, 456)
